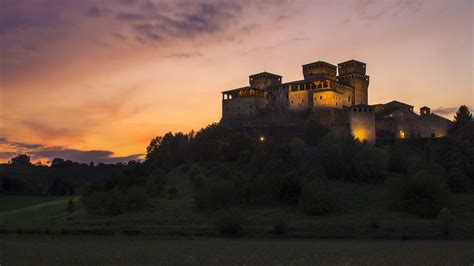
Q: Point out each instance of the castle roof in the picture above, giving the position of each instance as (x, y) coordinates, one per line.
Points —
(242, 88)
(265, 73)
(319, 62)
(351, 61)
(398, 103)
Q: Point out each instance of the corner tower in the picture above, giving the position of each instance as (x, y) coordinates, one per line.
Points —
(319, 68)
(264, 80)
(352, 73)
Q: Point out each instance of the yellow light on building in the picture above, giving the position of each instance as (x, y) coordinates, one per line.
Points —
(359, 134)
(261, 138)
(402, 134)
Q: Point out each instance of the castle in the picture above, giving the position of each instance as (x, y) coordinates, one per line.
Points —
(334, 96)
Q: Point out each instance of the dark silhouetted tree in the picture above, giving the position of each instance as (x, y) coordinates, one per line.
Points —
(71, 207)
(21, 159)
(462, 117)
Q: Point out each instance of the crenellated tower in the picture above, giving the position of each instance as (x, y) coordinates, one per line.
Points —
(352, 73)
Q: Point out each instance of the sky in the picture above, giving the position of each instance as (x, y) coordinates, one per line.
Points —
(97, 80)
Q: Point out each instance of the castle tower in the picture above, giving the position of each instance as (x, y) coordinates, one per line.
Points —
(263, 80)
(362, 122)
(319, 68)
(352, 73)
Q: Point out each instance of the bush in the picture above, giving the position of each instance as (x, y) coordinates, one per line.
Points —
(218, 194)
(229, 222)
(445, 223)
(458, 182)
(136, 197)
(109, 202)
(314, 131)
(172, 192)
(156, 181)
(423, 194)
(280, 227)
(316, 198)
(337, 156)
(370, 164)
(399, 157)
(71, 207)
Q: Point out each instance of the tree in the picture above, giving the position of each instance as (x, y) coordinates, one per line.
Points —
(314, 131)
(462, 117)
(71, 208)
(21, 159)
(370, 164)
(445, 223)
(423, 194)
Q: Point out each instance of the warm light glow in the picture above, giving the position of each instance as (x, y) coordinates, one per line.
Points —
(359, 134)
(261, 138)
(402, 134)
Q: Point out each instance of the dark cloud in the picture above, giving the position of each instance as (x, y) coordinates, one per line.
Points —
(185, 55)
(191, 20)
(94, 11)
(445, 111)
(130, 16)
(16, 16)
(127, 2)
(38, 151)
(83, 156)
(372, 10)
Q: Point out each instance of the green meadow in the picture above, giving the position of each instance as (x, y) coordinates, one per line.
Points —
(362, 214)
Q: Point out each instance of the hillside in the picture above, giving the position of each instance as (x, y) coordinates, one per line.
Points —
(362, 213)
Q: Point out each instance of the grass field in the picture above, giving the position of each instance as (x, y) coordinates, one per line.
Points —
(80, 250)
(362, 214)
(8, 203)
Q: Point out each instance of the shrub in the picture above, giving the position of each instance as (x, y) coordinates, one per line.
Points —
(229, 222)
(136, 197)
(458, 181)
(337, 156)
(370, 164)
(280, 227)
(218, 194)
(314, 131)
(316, 198)
(114, 202)
(172, 191)
(71, 208)
(290, 187)
(445, 223)
(261, 190)
(423, 194)
(296, 147)
(399, 157)
(156, 181)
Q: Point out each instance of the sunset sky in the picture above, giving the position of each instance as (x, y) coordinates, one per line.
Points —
(96, 80)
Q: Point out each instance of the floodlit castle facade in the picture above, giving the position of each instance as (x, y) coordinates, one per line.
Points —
(335, 96)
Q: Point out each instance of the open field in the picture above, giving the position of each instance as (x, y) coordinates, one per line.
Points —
(8, 202)
(362, 214)
(113, 250)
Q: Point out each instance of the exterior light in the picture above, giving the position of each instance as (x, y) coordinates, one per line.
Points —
(261, 139)
(402, 134)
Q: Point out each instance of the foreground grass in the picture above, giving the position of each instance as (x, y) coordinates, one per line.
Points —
(141, 251)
